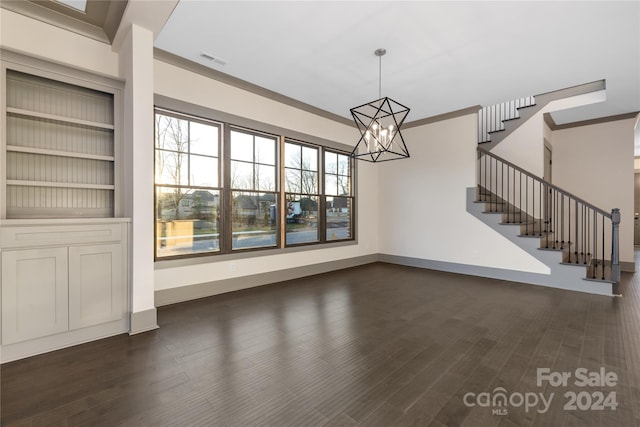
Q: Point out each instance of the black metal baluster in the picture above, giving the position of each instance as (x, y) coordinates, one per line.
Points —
(577, 242)
(548, 204)
(533, 206)
(526, 203)
(479, 181)
(594, 262)
(582, 210)
(555, 216)
(553, 219)
(502, 187)
(519, 193)
(514, 198)
(485, 176)
(540, 208)
(494, 188)
(569, 228)
(512, 201)
(588, 234)
(562, 221)
(603, 247)
(584, 232)
(491, 184)
(507, 201)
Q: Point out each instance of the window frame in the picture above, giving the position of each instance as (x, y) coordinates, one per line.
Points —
(156, 186)
(228, 190)
(350, 196)
(227, 121)
(317, 195)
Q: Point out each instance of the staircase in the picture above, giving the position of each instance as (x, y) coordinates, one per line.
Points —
(580, 236)
(493, 118)
(496, 122)
(577, 240)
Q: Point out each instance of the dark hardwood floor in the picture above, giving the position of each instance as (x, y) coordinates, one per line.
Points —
(377, 345)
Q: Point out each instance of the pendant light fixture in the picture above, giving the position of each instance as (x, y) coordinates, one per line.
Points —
(379, 124)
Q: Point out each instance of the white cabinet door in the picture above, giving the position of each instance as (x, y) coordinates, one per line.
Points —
(34, 294)
(96, 285)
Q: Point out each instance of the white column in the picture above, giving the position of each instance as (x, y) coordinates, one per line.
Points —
(136, 67)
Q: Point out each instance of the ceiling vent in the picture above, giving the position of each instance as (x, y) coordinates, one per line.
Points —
(215, 59)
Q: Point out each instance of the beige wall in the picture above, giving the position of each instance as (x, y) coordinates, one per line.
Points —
(596, 163)
(422, 202)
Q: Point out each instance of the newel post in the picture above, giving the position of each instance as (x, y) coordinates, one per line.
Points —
(615, 243)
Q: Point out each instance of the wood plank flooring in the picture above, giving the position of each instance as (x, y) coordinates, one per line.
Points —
(377, 345)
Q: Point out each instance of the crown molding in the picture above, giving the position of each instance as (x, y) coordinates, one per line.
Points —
(553, 126)
(178, 61)
(441, 117)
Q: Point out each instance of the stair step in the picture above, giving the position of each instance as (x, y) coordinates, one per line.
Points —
(605, 280)
(536, 235)
(555, 246)
(513, 118)
(496, 131)
(491, 202)
(569, 258)
(502, 208)
(534, 227)
(550, 249)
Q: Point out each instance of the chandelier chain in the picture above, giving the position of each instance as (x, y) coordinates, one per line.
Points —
(379, 76)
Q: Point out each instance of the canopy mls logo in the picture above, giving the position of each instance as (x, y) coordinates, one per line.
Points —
(499, 400)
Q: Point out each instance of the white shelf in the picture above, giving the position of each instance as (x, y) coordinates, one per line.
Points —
(59, 147)
(58, 153)
(59, 184)
(28, 113)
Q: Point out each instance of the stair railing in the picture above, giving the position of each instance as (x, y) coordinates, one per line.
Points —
(560, 219)
(492, 118)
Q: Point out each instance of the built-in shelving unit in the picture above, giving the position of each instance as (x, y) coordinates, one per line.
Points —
(60, 149)
(64, 243)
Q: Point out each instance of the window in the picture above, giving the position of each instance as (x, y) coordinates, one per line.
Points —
(302, 193)
(187, 169)
(338, 199)
(253, 190)
(225, 189)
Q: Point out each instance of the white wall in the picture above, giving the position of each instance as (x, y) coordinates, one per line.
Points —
(636, 141)
(180, 84)
(137, 65)
(596, 163)
(422, 202)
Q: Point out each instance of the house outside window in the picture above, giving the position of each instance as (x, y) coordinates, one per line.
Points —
(338, 196)
(254, 196)
(221, 189)
(302, 189)
(187, 189)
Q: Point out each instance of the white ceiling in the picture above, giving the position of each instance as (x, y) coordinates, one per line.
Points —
(441, 56)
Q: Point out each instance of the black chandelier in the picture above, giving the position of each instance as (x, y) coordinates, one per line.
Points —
(379, 124)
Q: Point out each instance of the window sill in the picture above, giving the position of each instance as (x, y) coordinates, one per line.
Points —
(161, 264)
